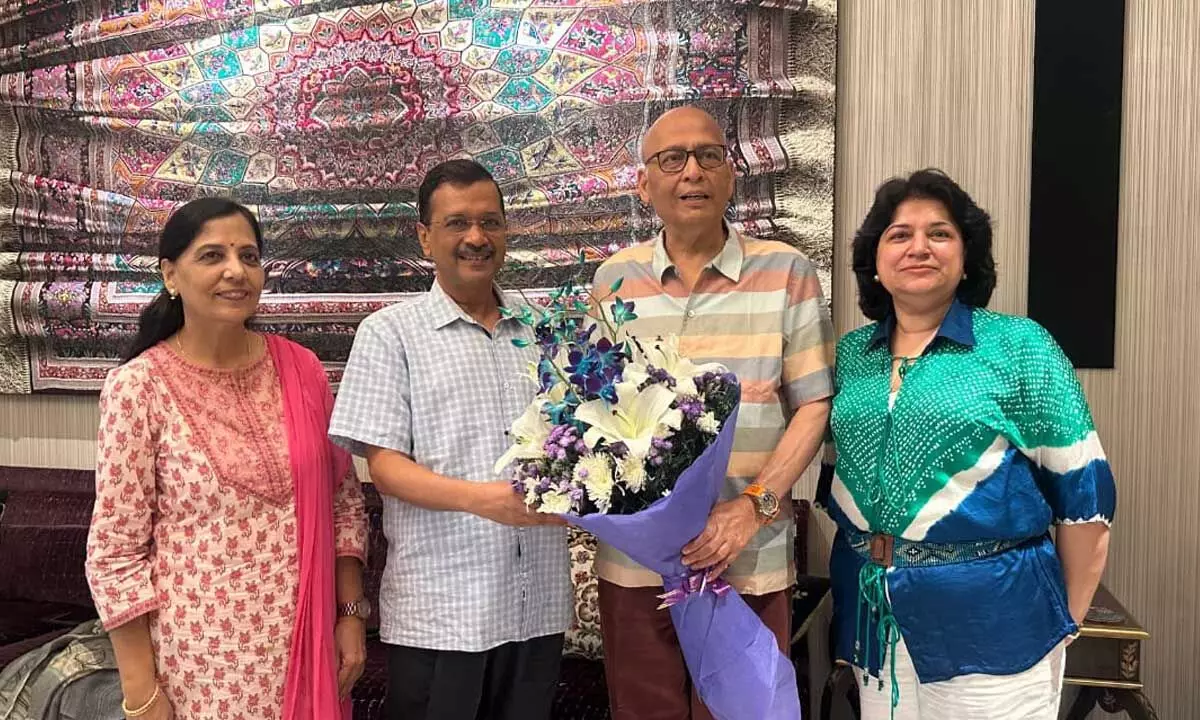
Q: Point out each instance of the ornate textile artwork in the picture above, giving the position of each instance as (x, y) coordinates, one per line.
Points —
(323, 116)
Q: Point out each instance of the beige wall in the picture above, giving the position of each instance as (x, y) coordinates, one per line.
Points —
(1148, 410)
(949, 83)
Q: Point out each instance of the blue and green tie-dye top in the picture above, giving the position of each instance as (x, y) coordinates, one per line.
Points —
(988, 438)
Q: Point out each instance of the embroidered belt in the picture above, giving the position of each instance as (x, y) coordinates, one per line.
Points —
(892, 551)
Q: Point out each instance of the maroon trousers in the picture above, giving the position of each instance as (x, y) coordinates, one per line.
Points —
(644, 667)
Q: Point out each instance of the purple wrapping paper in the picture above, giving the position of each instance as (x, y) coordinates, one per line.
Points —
(733, 659)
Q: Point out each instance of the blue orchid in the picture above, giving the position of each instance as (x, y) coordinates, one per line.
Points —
(596, 368)
(622, 312)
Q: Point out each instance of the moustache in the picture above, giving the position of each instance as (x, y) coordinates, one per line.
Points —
(469, 252)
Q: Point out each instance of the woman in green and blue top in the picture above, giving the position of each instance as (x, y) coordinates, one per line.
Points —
(962, 437)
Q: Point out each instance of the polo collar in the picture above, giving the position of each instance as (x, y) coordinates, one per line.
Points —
(728, 262)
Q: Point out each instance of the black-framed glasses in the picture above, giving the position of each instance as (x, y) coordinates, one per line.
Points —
(459, 225)
(673, 160)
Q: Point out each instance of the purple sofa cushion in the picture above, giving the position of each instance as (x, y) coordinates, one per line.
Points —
(43, 535)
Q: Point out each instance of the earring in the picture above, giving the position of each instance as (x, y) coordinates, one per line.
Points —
(172, 294)
(876, 278)
(964, 276)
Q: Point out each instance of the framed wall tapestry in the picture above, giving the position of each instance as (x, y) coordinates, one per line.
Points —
(323, 116)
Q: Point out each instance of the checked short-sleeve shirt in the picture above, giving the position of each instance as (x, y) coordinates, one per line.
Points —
(426, 380)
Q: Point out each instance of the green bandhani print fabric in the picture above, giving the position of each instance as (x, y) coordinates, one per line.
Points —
(993, 401)
(987, 444)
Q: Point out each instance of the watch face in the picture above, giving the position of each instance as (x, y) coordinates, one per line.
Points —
(364, 609)
(768, 504)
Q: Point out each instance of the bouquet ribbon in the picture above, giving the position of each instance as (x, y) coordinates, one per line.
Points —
(694, 583)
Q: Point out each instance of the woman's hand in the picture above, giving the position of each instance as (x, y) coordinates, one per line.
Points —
(350, 636)
(160, 709)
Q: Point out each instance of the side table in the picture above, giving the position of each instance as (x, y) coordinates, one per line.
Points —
(1105, 662)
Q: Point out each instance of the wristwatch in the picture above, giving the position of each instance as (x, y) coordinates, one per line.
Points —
(360, 609)
(766, 502)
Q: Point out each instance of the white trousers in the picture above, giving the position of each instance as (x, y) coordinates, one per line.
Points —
(1030, 695)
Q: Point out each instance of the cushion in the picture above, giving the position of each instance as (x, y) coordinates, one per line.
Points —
(583, 637)
(43, 537)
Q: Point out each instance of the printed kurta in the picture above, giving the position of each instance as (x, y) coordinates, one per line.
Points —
(195, 524)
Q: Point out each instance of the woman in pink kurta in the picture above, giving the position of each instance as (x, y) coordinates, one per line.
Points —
(221, 506)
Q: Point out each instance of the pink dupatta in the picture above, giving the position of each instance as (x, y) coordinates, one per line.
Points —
(317, 468)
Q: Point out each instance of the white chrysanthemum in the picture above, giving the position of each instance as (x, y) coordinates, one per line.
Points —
(594, 473)
(708, 423)
(555, 503)
(633, 473)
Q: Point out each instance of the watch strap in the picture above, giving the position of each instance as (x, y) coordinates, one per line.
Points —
(763, 498)
(357, 608)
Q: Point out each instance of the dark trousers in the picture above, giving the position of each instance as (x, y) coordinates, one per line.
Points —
(643, 664)
(515, 681)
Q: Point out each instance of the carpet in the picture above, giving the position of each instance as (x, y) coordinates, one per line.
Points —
(323, 115)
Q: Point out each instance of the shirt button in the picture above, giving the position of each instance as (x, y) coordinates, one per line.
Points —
(691, 313)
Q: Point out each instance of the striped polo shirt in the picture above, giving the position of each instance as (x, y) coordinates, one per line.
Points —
(758, 310)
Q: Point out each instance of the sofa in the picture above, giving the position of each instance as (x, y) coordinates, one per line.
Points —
(44, 516)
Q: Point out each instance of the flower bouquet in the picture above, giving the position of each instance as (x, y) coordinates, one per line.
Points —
(630, 440)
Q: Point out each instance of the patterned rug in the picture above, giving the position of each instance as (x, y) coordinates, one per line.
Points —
(323, 116)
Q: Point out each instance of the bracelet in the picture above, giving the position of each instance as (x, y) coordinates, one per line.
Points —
(143, 709)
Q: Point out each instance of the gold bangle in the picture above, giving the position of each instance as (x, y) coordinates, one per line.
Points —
(143, 709)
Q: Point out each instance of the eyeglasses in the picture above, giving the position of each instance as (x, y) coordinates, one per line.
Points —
(457, 225)
(673, 160)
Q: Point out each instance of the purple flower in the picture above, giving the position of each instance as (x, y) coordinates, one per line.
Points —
(657, 376)
(691, 407)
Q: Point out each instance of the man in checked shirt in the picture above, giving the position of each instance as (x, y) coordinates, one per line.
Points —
(476, 593)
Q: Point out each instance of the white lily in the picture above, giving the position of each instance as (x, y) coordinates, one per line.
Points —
(663, 353)
(529, 433)
(634, 419)
(557, 392)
